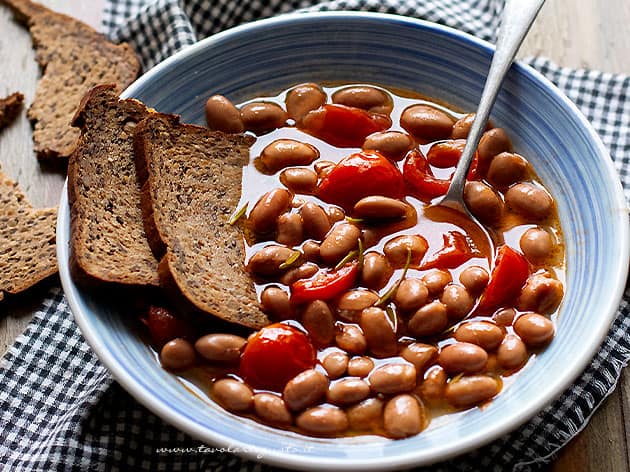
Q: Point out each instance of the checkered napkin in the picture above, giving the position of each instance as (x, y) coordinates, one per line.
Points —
(60, 409)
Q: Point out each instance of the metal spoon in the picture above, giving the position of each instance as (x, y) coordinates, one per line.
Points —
(517, 18)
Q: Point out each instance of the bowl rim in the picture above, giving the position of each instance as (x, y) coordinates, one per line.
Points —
(305, 462)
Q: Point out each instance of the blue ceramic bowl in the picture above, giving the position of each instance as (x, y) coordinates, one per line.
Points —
(268, 56)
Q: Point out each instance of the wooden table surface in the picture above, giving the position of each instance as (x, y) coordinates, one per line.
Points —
(588, 33)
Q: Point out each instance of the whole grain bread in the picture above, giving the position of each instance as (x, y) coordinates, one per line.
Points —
(108, 242)
(74, 58)
(10, 108)
(27, 240)
(191, 186)
(12, 199)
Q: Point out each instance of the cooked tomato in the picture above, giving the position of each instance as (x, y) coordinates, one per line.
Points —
(421, 182)
(164, 326)
(324, 285)
(361, 175)
(506, 280)
(275, 355)
(343, 126)
(455, 252)
(446, 154)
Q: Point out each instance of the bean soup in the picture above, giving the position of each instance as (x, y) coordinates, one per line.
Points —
(387, 312)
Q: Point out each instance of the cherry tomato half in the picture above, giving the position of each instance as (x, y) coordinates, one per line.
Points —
(275, 355)
(324, 285)
(343, 126)
(361, 175)
(508, 276)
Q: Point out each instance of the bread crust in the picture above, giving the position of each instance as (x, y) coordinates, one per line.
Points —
(157, 244)
(191, 180)
(10, 108)
(107, 240)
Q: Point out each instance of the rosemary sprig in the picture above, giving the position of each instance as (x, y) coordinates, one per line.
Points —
(392, 316)
(360, 254)
(295, 255)
(238, 214)
(457, 378)
(448, 330)
(347, 258)
(386, 297)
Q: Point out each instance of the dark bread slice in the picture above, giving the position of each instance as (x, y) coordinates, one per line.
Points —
(27, 240)
(191, 185)
(74, 58)
(108, 242)
(10, 108)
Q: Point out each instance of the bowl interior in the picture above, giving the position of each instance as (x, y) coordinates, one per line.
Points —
(268, 56)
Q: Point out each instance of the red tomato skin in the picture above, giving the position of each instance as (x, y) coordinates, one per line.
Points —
(275, 355)
(445, 154)
(421, 183)
(361, 175)
(343, 126)
(508, 276)
(324, 285)
(455, 252)
(164, 326)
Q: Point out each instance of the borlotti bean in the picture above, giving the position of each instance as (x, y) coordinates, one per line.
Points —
(335, 364)
(411, 295)
(353, 302)
(177, 354)
(261, 117)
(220, 347)
(403, 416)
(461, 128)
(392, 144)
(484, 334)
(360, 366)
(348, 391)
(305, 389)
(376, 270)
(222, 115)
(271, 408)
(315, 220)
(299, 180)
(365, 97)
(284, 153)
(302, 99)
(319, 321)
(427, 122)
(384, 315)
(270, 206)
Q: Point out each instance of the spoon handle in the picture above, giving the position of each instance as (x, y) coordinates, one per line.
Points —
(517, 18)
